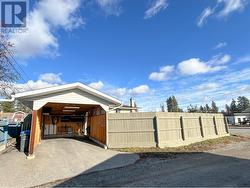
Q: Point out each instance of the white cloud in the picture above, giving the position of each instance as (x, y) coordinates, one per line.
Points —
(44, 81)
(61, 12)
(220, 45)
(244, 59)
(163, 74)
(96, 85)
(204, 15)
(110, 7)
(195, 66)
(33, 85)
(47, 16)
(119, 92)
(231, 6)
(223, 8)
(155, 7)
(219, 59)
(51, 78)
(208, 87)
(139, 90)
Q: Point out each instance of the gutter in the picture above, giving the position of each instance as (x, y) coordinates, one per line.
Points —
(117, 106)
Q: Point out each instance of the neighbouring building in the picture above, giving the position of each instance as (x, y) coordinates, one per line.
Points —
(14, 117)
(131, 108)
(238, 118)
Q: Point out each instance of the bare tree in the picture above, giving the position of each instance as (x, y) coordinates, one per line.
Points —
(8, 72)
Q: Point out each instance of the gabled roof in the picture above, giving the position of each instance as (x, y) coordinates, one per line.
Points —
(246, 111)
(55, 89)
(128, 107)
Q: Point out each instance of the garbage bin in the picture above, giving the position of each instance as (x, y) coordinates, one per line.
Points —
(24, 141)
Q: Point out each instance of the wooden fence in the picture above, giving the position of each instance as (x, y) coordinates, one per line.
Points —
(163, 129)
(98, 127)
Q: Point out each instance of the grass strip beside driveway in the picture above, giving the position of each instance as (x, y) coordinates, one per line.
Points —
(171, 152)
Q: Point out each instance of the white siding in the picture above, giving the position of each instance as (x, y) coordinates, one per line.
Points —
(75, 96)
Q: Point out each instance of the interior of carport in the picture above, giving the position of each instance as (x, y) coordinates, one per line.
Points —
(55, 120)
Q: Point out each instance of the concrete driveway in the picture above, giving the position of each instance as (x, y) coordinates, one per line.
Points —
(225, 167)
(58, 159)
(244, 131)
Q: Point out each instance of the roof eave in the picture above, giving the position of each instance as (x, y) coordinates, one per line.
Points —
(30, 94)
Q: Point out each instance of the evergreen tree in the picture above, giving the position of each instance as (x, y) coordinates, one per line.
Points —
(180, 110)
(201, 109)
(172, 105)
(20, 107)
(207, 108)
(214, 108)
(7, 107)
(233, 106)
(175, 104)
(243, 103)
(169, 104)
(192, 109)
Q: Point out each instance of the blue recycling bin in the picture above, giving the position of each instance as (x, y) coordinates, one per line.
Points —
(3, 132)
(24, 141)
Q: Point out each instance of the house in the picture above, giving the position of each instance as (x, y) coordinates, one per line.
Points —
(131, 108)
(238, 118)
(70, 110)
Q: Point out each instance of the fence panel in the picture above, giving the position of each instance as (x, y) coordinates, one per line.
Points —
(131, 130)
(163, 129)
(169, 129)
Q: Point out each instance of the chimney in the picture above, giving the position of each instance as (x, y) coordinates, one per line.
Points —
(132, 102)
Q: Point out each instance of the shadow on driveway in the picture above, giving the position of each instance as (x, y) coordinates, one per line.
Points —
(169, 169)
(58, 159)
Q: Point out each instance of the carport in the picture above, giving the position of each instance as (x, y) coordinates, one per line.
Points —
(70, 110)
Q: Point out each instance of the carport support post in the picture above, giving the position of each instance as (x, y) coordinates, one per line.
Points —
(107, 129)
(32, 135)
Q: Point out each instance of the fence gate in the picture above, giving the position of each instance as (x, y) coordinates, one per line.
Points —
(97, 126)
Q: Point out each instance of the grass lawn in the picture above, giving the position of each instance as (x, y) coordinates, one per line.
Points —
(192, 148)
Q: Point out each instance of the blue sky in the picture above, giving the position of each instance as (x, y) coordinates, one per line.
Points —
(196, 50)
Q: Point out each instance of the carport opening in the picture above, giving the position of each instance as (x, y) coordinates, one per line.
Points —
(73, 121)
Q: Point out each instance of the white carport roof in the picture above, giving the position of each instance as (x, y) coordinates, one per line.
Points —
(41, 92)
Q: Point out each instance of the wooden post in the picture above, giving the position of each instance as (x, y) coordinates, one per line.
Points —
(182, 128)
(226, 125)
(157, 127)
(32, 134)
(215, 126)
(86, 124)
(107, 129)
(202, 128)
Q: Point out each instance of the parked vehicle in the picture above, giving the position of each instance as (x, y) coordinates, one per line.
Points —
(246, 122)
